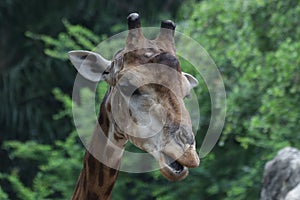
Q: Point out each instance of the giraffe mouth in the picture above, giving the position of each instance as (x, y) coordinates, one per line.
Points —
(172, 169)
(173, 164)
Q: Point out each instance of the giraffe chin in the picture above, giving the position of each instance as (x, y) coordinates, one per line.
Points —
(172, 170)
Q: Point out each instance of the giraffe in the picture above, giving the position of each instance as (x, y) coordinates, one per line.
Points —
(144, 105)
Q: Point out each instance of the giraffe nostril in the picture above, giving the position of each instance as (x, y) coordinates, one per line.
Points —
(187, 136)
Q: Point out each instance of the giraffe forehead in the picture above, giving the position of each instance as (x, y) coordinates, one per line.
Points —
(146, 49)
(150, 74)
(138, 59)
(139, 56)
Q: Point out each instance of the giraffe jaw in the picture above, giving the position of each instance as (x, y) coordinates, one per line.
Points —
(172, 169)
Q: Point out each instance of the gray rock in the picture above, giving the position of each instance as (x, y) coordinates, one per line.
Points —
(294, 194)
(282, 175)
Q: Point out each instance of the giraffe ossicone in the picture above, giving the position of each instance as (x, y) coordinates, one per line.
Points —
(144, 105)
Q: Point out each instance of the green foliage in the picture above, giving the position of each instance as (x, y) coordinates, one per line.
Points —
(22, 192)
(58, 165)
(260, 68)
(3, 195)
(75, 37)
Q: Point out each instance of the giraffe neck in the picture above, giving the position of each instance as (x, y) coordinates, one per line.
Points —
(97, 179)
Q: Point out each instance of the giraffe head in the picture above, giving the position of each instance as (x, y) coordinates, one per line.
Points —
(145, 103)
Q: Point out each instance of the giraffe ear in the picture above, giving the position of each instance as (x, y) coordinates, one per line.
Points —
(192, 80)
(90, 65)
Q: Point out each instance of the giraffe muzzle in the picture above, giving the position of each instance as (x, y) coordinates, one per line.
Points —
(190, 158)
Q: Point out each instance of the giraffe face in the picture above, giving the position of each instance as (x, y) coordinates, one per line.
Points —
(147, 106)
(146, 100)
